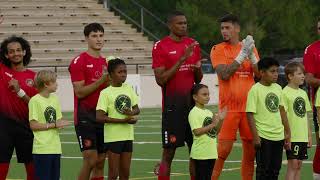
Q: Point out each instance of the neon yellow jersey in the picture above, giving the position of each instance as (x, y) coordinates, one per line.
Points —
(112, 100)
(263, 102)
(317, 103)
(45, 110)
(296, 104)
(204, 146)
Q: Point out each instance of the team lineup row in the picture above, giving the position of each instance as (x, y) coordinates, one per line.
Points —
(106, 108)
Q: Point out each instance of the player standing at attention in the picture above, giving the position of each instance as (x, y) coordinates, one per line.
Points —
(294, 107)
(267, 126)
(89, 77)
(45, 119)
(16, 89)
(205, 128)
(177, 66)
(311, 61)
(235, 63)
(117, 107)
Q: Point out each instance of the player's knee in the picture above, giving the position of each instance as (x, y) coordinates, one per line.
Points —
(296, 166)
(223, 152)
(316, 176)
(91, 161)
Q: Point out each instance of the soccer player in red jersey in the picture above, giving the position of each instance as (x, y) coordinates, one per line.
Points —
(177, 66)
(311, 62)
(16, 89)
(89, 76)
(235, 74)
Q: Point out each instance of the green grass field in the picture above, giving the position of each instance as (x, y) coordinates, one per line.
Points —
(147, 151)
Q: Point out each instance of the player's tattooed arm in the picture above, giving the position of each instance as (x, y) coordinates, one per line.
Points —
(312, 81)
(225, 71)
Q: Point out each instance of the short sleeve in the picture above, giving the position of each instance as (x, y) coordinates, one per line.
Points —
(102, 102)
(193, 120)
(33, 110)
(284, 101)
(252, 101)
(308, 61)
(158, 56)
(76, 69)
(217, 56)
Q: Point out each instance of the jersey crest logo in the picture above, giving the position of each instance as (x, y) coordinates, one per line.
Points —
(122, 102)
(272, 102)
(299, 107)
(213, 132)
(50, 115)
(29, 82)
(98, 74)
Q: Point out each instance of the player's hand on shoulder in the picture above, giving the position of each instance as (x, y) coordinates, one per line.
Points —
(62, 123)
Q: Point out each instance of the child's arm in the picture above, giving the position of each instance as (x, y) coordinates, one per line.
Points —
(37, 126)
(215, 124)
(252, 125)
(135, 110)
(103, 118)
(310, 132)
(287, 132)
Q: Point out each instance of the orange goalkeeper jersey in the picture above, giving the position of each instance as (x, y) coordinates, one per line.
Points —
(233, 92)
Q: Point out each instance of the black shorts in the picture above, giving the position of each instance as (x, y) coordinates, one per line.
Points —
(175, 127)
(90, 136)
(18, 136)
(298, 151)
(119, 147)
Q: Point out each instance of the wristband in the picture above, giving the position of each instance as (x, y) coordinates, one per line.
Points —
(21, 93)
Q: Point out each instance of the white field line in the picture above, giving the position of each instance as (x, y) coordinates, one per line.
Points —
(136, 133)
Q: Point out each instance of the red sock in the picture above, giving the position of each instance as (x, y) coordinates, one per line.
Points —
(316, 161)
(163, 177)
(97, 178)
(30, 171)
(4, 168)
(192, 178)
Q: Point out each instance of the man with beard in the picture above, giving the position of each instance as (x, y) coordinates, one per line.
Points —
(235, 74)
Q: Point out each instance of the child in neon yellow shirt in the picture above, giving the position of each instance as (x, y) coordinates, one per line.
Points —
(117, 107)
(45, 119)
(205, 128)
(294, 107)
(267, 127)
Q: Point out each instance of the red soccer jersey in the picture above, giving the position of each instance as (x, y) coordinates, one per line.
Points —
(88, 69)
(311, 62)
(11, 106)
(166, 53)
